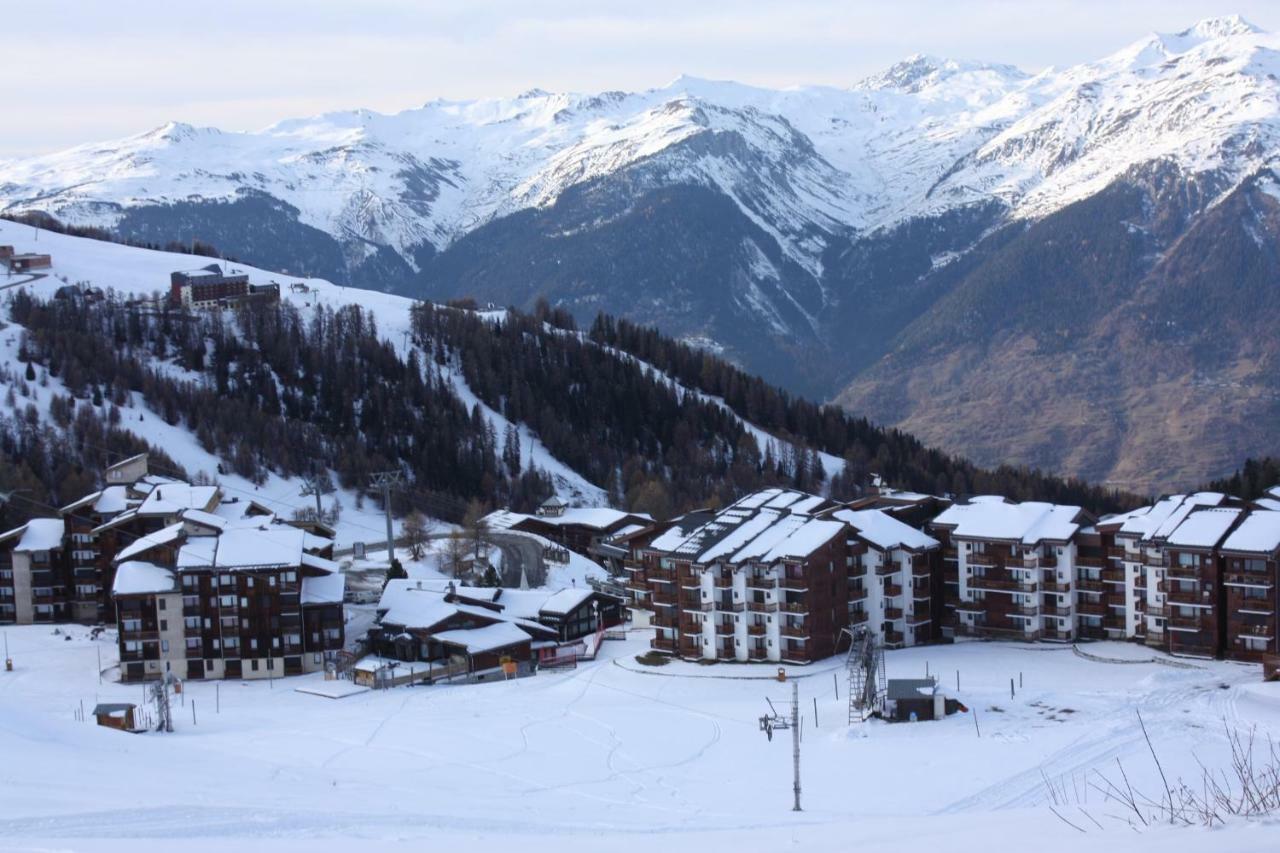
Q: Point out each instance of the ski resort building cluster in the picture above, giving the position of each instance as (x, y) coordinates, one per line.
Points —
(778, 575)
(199, 584)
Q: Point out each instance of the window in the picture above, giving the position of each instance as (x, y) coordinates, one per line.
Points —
(160, 603)
(271, 664)
(253, 665)
(188, 580)
(271, 580)
(244, 602)
(253, 644)
(164, 624)
(164, 646)
(217, 644)
(227, 601)
(225, 580)
(315, 658)
(249, 582)
(290, 577)
(193, 643)
(132, 646)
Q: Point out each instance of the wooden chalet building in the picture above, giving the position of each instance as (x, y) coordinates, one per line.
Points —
(580, 529)
(426, 621)
(211, 597)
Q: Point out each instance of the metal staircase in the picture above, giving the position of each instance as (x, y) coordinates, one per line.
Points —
(868, 683)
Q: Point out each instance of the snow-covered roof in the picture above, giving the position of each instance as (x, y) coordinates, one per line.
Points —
(136, 577)
(422, 605)
(884, 531)
(210, 520)
(596, 518)
(324, 589)
(770, 524)
(276, 545)
(486, 639)
(564, 601)
(991, 517)
(141, 545)
(311, 561)
(173, 498)
(1258, 533)
(41, 534)
(1203, 528)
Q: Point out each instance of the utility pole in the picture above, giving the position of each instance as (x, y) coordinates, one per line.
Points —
(387, 480)
(773, 721)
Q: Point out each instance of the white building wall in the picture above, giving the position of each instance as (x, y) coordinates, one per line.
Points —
(23, 612)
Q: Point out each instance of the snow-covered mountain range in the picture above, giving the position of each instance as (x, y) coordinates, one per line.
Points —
(925, 135)
(812, 234)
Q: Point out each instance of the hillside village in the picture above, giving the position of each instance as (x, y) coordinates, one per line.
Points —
(201, 584)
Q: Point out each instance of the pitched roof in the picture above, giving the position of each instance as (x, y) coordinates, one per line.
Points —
(992, 517)
(770, 524)
(38, 534)
(1258, 533)
(884, 531)
(487, 639)
(1203, 528)
(138, 577)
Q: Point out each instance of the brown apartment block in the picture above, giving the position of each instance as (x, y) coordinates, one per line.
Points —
(211, 597)
(1013, 570)
(779, 575)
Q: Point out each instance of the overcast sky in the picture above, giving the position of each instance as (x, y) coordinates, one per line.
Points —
(87, 71)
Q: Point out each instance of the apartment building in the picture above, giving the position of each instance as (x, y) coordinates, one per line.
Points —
(894, 577)
(1010, 568)
(211, 597)
(764, 579)
(1201, 573)
(35, 575)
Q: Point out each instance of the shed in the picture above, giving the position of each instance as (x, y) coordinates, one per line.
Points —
(918, 696)
(116, 715)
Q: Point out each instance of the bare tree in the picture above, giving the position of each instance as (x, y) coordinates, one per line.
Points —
(415, 530)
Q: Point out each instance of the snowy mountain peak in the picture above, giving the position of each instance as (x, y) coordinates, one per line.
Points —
(920, 71)
(1220, 27)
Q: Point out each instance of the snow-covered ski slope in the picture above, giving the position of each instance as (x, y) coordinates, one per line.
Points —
(616, 756)
(141, 272)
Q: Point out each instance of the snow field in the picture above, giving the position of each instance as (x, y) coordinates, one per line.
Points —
(611, 750)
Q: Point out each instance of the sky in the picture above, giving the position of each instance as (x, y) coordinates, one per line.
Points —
(88, 71)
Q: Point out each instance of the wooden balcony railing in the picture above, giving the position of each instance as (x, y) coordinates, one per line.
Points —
(1258, 579)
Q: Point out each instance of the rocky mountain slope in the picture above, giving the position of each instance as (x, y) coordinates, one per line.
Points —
(845, 242)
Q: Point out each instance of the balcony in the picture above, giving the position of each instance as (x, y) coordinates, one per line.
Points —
(762, 582)
(690, 626)
(1263, 580)
(758, 654)
(1054, 635)
(1113, 575)
(696, 605)
(1117, 552)
(1114, 623)
(762, 606)
(1086, 585)
(663, 643)
(728, 606)
(892, 590)
(1054, 586)
(1243, 604)
(663, 595)
(1191, 572)
(723, 581)
(1193, 598)
(139, 635)
(1002, 582)
(1184, 623)
(921, 569)
(978, 558)
(919, 618)
(793, 607)
(756, 629)
(950, 575)
(632, 566)
(724, 629)
(894, 638)
(663, 619)
(794, 584)
(858, 617)
(950, 554)
(1090, 561)
(794, 631)
(1254, 630)
(1091, 608)
(1055, 610)
(661, 575)
(857, 594)
(893, 613)
(887, 568)
(921, 593)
